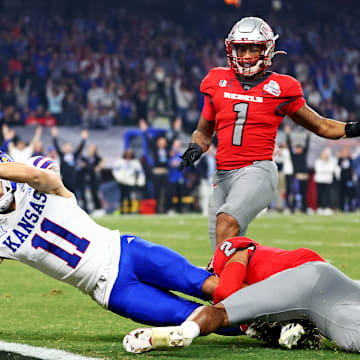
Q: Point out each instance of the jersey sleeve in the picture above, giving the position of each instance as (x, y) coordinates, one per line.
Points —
(296, 99)
(207, 88)
(208, 111)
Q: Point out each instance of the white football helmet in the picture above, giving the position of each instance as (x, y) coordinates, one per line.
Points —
(251, 30)
(44, 162)
(8, 187)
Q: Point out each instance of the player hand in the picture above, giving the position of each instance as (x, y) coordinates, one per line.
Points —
(210, 266)
(352, 129)
(143, 125)
(84, 134)
(54, 131)
(192, 153)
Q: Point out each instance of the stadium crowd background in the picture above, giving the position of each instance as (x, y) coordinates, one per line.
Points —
(130, 71)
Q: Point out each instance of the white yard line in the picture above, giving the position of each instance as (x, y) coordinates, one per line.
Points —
(41, 352)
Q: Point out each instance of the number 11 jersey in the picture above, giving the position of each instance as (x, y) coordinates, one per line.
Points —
(247, 114)
(54, 235)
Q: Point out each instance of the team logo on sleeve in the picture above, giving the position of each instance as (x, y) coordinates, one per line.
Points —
(272, 88)
(222, 83)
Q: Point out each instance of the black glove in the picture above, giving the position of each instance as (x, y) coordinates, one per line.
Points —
(352, 129)
(192, 153)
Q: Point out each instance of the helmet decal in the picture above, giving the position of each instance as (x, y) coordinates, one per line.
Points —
(44, 162)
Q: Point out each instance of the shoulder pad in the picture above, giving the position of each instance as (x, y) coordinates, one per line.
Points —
(212, 80)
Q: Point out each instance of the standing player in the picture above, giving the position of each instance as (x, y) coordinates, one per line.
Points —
(245, 105)
(42, 226)
(284, 285)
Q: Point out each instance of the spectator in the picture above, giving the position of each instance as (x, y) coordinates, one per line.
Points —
(176, 179)
(206, 169)
(72, 110)
(160, 149)
(69, 158)
(129, 174)
(325, 170)
(299, 161)
(326, 86)
(288, 171)
(184, 97)
(95, 95)
(55, 95)
(22, 93)
(17, 148)
(192, 118)
(34, 101)
(347, 186)
(88, 177)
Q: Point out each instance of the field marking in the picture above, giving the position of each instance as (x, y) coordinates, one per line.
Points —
(41, 352)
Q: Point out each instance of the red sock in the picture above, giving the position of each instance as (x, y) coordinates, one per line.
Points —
(231, 280)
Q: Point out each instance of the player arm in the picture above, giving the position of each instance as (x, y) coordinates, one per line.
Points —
(321, 126)
(204, 133)
(42, 180)
(200, 141)
(233, 276)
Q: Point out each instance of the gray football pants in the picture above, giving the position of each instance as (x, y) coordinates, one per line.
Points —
(242, 193)
(315, 291)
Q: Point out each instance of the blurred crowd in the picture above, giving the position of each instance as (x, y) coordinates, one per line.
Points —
(141, 67)
(115, 67)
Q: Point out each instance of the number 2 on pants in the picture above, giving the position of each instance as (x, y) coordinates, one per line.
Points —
(241, 110)
(81, 244)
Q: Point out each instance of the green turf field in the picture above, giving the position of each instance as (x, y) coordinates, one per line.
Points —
(37, 310)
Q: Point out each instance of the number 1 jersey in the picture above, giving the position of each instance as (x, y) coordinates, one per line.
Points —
(247, 114)
(54, 235)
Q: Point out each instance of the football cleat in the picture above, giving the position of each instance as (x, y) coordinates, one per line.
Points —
(146, 339)
(283, 334)
(290, 335)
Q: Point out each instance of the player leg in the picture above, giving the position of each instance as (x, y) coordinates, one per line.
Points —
(164, 268)
(221, 187)
(284, 296)
(336, 308)
(251, 189)
(133, 298)
(149, 305)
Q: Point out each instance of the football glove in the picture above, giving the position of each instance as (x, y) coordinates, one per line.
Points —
(192, 153)
(352, 129)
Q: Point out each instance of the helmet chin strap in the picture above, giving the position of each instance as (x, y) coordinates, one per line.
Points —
(280, 52)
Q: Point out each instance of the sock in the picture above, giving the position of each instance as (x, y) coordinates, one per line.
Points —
(190, 330)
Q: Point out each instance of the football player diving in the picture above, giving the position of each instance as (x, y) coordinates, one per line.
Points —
(43, 226)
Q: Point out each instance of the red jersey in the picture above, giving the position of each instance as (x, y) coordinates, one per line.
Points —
(263, 261)
(247, 114)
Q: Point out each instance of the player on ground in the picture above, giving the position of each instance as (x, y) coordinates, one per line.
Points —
(42, 226)
(245, 105)
(284, 285)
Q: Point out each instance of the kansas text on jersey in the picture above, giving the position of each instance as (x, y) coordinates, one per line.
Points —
(54, 235)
